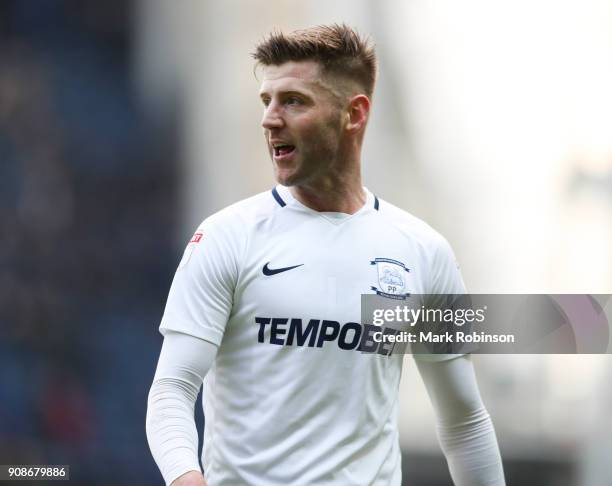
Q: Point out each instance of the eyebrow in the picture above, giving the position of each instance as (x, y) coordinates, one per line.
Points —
(263, 94)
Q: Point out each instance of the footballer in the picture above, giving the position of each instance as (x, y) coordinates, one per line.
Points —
(264, 308)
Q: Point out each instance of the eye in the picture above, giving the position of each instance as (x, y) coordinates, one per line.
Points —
(265, 101)
(294, 100)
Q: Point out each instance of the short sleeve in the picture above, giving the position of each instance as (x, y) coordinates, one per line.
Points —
(445, 279)
(201, 295)
(445, 274)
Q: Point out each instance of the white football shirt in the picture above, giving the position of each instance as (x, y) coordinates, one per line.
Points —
(291, 399)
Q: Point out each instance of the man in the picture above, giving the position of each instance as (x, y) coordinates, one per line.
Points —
(265, 305)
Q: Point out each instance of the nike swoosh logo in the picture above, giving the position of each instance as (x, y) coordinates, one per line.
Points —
(273, 271)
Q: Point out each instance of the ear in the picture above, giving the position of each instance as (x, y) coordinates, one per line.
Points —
(358, 112)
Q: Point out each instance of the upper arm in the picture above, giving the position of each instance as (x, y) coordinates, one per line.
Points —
(445, 276)
(451, 386)
(201, 296)
(445, 284)
(186, 358)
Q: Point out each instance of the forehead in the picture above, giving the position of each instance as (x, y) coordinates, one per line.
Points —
(304, 75)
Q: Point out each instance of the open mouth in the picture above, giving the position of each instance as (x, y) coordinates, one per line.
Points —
(284, 150)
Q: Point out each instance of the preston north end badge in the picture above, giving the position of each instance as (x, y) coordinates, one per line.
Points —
(391, 278)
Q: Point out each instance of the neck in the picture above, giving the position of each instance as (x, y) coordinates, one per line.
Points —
(339, 192)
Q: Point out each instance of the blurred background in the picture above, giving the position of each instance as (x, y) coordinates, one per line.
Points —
(124, 124)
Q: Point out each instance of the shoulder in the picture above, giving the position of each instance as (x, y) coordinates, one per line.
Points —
(412, 227)
(220, 240)
(444, 275)
(242, 215)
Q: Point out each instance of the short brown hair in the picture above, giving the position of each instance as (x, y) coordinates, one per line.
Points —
(339, 49)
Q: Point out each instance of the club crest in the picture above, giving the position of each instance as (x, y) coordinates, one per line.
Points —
(391, 278)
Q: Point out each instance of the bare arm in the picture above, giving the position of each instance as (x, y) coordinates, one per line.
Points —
(464, 428)
(171, 431)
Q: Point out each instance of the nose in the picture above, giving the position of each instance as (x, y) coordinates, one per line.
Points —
(271, 118)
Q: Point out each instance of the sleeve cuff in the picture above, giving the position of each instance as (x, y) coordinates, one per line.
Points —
(171, 323)
(433, 358)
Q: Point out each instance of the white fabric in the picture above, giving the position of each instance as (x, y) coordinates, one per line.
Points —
(290, 399)
(464, 427)
(171, 432)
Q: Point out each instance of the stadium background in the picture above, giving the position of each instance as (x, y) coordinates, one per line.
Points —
(123, 124)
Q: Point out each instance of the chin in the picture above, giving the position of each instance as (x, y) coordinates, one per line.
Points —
(286, 177)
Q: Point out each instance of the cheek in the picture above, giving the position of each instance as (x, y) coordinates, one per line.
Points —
(329, 135)
(323, 132)
(333, 124)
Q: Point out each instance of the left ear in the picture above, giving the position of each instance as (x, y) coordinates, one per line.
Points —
(358, 112)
